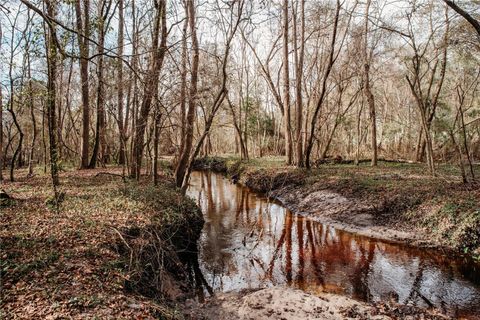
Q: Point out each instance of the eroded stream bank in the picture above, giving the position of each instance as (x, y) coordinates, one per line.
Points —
(251, 242)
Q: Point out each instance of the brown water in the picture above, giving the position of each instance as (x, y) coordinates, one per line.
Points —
(250, 241)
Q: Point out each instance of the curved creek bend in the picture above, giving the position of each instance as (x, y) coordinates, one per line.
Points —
(249, 241)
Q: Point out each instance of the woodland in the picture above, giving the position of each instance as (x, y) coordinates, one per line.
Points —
(108, 107)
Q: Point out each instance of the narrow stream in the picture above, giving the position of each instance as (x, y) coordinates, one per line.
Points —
(250, 241)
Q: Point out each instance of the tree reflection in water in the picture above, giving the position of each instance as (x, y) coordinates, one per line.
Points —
(249, 242)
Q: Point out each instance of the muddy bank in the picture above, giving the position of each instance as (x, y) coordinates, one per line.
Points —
(281, 302)
(392, 203)
(155, 255)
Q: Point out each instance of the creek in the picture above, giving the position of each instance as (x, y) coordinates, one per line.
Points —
(250, 241)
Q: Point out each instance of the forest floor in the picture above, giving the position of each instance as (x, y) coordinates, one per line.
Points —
(97, 256)
(398, 202)
(84, 261)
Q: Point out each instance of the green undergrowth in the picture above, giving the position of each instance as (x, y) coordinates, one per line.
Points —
(455, 221)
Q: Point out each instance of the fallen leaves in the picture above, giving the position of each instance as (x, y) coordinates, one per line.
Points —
(60, 264)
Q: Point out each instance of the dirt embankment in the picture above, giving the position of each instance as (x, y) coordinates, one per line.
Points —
(396, 203)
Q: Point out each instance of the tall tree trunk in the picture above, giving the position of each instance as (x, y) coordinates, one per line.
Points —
(460, 156)
(465, 139)
(286, 87)
(120, 120)
(368, 54)
(34, 122)
(323, 91)
(299, 57)
(151, 86)
(51, 98)
(238, 136)
(183, 86)
(14, 118)
(190, 120)
(1, 117)
(83, 26)
(99, 146)
(156, 135)
(219, 98)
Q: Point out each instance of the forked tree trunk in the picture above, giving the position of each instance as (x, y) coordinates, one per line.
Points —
(151, 86)
(181, 168)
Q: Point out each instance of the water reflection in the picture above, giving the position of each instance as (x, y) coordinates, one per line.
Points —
(250, 242)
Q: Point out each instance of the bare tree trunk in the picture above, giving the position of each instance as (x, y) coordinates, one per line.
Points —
(299, 57)
(34, 122)
(51, 98)
(238, 136)
(14, 118)
(359, 134)
(219, 98)
(151, 86)
(286, 87)
(475, 23)
(120, 120)
(418, 148)
(181, 169)
(156, 135)
(83, 26)
(368, 92)
(460, 156)
(99, 148)
(328, 70)
(464, 136)
(183, 87)
(1, 117)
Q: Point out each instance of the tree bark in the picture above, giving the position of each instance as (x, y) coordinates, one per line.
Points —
(160, 27)
(299, 58)
(120, 120)
(183, 86)
(100, 145)
(368, 91)
(52, 62)
(286, 88)
(156, 136)
(1, 117)
(181, 169)
(83, 27)
(34, 122)
(320, 100)
(14, 117)
(475, 23)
